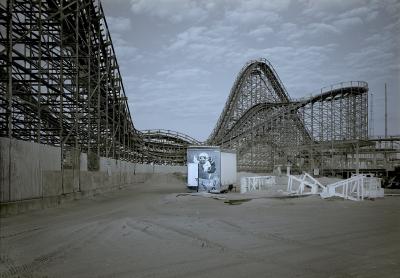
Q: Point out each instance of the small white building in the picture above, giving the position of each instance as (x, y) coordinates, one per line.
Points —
(210, 168)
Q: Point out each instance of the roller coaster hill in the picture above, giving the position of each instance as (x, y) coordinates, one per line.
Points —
(61, 86)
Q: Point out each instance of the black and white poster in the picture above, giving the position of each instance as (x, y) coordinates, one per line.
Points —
(207, 164)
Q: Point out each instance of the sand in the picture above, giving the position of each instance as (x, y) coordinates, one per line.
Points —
(151, 230)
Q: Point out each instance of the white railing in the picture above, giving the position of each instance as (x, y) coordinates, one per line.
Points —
(355, 188)
(351, 189)
(258, 183)
(304, 185)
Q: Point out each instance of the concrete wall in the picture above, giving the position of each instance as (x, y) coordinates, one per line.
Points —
(24, 167)
(32, 171)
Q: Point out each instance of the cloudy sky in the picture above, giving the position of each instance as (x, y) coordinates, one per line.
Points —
(179, 58)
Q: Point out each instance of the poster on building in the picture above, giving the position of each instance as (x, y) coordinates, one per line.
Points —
(208, 168)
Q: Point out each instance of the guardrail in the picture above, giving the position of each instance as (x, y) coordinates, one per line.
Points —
(258, 183)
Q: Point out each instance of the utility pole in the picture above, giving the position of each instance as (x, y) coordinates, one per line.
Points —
(386, 158)
(386, 134)
(371, 119)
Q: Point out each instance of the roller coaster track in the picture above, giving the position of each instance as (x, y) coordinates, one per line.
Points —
(166, 146)
(267, 127)
(61, 85)
(259, 79)
(60, 79)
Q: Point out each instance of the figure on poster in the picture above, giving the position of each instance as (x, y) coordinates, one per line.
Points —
(206, 165)
(207, 168)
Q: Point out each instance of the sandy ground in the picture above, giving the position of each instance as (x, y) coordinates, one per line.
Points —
(152, 231)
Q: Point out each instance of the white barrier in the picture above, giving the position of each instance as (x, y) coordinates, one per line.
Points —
(373, 188)
(304, 185)
(257, 183)
(355, 188)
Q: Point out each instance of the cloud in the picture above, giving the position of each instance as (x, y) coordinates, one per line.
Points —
(294, 32)
(172, 10)
(204, 44)
(372, 15)
(179, 74)
(197, 11)
(191, 35)
(321, 8)
(252, 16)
(369, 59)
(355, 16)
(375, 59)
(167, 100)
(255, 11)
(299, 67)
(118, 24)
(391, 6)
(346, 14)
(356, 12)
(253, 5)
(347, 22)
(320, 28)
(261, 32)
(125, 51)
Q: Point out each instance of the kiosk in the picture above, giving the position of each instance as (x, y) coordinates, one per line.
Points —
(210, 168)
